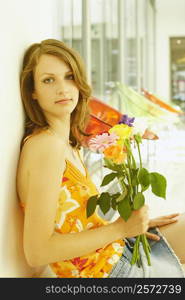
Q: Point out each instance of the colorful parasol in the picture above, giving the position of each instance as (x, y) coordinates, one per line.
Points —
(161, 103)
(102, 118)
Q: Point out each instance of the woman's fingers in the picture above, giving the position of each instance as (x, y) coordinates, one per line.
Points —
(166, 222)
(152, 236)
(161, 221)
(171, 216)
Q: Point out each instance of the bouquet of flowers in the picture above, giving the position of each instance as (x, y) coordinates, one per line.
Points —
(116, 145)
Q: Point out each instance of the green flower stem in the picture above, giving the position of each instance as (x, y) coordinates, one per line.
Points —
(123, 187)
(129, 162)
(129, 169)
(127, 144)
(133, 161)
(146, 248)
(121, 184)
(138, 259)
(147, 243)
(129, 179)
(126, 172)
(138, 147)
(135, 254)
(132, 165)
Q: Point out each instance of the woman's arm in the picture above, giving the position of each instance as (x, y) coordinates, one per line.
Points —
(42, 245)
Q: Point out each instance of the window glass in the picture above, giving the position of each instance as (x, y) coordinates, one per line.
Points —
(131, 43)
(177, 49)
(104, 42)
(71, 29)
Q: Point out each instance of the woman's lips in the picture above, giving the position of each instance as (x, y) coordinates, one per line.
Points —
(62, 100)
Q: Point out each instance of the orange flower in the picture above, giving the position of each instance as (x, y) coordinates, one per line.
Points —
(115, 152)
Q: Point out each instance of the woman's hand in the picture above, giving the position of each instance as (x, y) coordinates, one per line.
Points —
(138, 223)
(161, 221)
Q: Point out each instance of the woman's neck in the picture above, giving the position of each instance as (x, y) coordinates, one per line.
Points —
(61, 128)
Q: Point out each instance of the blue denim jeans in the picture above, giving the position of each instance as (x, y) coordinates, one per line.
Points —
(164, 262)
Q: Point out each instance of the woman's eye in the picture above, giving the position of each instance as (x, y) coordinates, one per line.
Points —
(47, 80)
(70, 77)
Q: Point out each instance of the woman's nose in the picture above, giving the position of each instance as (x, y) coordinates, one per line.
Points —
(62, 87)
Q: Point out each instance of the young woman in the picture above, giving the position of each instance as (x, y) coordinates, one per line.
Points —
(53, 183)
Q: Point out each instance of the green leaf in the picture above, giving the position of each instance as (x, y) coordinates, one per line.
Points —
(110, 165)
(91, 205)
(114, 204)
(108, 178)
(114, 200)
(139, 201)
(124, 208)
(115, 196)
(144, 177)
(104, 202)
(108, 162)
(144, 188)
(121, 174)
(158, 183)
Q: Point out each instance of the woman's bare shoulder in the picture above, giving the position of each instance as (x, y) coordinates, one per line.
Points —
(36, 152)
(39, 144)
(41, 141)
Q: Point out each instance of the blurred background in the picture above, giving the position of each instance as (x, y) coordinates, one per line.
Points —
(134, 52)
(135, 58)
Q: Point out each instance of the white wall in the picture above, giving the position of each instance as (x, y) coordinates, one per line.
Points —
(170, 22)
(22, 23)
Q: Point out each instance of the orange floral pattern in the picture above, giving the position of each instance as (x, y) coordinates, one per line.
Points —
(70, 218)
(99, 263)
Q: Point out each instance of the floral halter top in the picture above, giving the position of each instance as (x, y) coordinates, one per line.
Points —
(70, 218)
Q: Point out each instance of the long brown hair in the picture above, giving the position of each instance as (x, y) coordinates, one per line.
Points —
(34, 117)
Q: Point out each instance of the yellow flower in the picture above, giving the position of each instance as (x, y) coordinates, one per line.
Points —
(123, 131)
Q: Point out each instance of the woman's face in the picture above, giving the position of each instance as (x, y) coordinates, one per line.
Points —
(54, 81)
